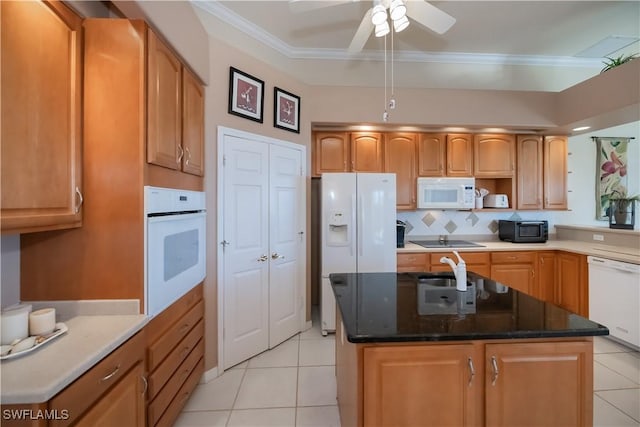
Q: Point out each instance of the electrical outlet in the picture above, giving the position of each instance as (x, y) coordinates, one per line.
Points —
(598, 237)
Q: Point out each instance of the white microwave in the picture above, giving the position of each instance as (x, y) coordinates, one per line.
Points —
(446, 193)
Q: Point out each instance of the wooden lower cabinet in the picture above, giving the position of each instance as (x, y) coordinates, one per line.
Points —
(539, 384)
(123, 405)
(546, 276)
(571, 283)
(514, 269)
(471, 383)
(416, 262)
(421, 385)
(175, 357)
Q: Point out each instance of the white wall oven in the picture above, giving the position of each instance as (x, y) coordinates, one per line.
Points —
(175, 245)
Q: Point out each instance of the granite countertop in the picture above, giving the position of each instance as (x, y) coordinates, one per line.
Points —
(39, 375)
(618, 253)
(399, 307)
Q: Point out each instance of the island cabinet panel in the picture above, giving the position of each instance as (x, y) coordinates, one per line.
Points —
(494, 156)
(539, 384)
(571, 282)
(459, 154)
(331, 152)
(422, 386)
(413, 262)
(432, 151)
(555, 172)
(366, 152)
(546, 276)
(400, 157)
(41, 159)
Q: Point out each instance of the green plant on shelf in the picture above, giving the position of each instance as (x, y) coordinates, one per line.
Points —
(612, 62)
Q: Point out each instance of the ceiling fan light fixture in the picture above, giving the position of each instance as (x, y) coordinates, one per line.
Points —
(397, 10)
(400, 24)
(382, 29)
(378, 15)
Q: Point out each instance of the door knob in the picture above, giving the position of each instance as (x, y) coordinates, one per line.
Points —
(275, 255)
(263, 258)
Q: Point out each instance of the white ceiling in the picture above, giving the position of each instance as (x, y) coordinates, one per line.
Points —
(504, 45)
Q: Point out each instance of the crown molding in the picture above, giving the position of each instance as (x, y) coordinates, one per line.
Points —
(226, 15)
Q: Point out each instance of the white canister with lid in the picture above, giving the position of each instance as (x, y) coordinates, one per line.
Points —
(14, 323)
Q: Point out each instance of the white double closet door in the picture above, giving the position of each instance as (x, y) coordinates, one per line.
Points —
(263, 243)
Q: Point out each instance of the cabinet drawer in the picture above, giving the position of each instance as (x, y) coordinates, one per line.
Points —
(166, 369)
(174, 387)
(469, 257)
(412, 260)
(182, 396)
(84, 392)
(512, 257)
(165, 344)
(163, 321)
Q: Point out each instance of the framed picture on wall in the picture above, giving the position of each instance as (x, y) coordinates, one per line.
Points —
(246, 95)
(286, 110)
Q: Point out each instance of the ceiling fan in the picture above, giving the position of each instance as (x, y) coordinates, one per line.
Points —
(419, 11)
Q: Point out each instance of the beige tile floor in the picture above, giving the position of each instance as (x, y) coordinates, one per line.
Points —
(294, 385)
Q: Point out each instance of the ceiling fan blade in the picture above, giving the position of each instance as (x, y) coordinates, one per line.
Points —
(300, 6)
(429, 16)
(363, 33)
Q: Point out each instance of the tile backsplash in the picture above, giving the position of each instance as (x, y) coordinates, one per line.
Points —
(445, 222)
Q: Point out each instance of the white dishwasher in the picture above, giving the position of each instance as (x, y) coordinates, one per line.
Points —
(614, 297)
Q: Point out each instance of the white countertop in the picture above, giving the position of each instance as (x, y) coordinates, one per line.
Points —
(41, 374)
(618, 253)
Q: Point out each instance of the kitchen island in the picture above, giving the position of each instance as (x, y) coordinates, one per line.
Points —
(411, 351)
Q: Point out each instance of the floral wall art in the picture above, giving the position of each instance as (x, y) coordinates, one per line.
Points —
(611, 178)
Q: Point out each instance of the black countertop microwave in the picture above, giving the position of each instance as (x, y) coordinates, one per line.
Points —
(523, 231)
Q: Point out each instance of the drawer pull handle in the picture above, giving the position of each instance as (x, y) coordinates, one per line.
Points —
(185, 351)
(494, 374)
(146, 384)
(472, 372)
(184, 328)
(111, 375)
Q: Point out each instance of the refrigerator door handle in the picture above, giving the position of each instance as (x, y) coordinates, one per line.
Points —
(360, 225)
(353, 225)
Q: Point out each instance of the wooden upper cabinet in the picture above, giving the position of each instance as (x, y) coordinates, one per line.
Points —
(366, 152)
(432, 154)
(400, 154)
(192, 124)
(459, 154)
(529, 177)
(330, 152)
(555, 172)
(494, 155)
(41, 116)
(163, 105)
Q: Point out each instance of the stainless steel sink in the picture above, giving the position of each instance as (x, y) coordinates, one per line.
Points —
(446, 244)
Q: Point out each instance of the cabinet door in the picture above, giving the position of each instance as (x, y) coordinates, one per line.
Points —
(546, 282)
(529, 176)
(421, 386)
(124, 405)
(163, 105)
(494, 155)
(516, 276)
(459, 154)
(400, 158)
(330, 152)
(192, 124)
(366, 152)
(41, 116)
(431, 154)
(540, 384)
(571, 282)
(555, 172)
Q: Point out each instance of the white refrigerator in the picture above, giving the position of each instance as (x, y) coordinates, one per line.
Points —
(358, 230)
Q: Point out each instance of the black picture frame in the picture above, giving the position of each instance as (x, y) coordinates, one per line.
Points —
(246, 95)
(286, 110)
